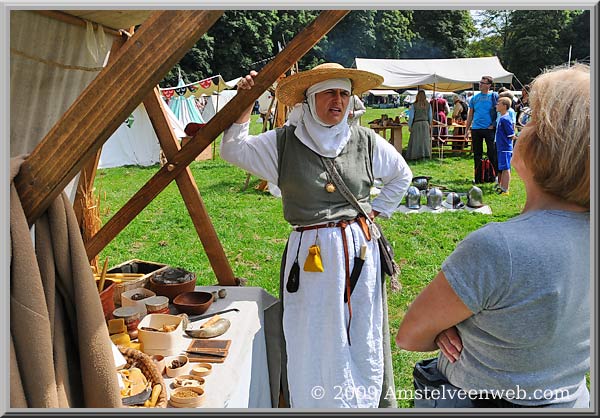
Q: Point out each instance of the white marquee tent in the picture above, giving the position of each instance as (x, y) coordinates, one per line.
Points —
(136, 144)
(435, 74)
(216, 102)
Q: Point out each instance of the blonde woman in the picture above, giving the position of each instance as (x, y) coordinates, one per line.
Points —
(510, 309)
(419, 122)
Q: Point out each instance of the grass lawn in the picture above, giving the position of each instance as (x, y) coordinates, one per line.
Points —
(253, 232)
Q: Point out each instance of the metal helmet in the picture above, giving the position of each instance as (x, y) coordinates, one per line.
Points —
(474, 197)
(434, 198)
(421, 182)
(413, 198)
(453, 201)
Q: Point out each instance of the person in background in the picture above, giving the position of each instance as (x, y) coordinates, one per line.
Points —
(335, 353)
(504, 92)
(440, 110)
(356, 111)
(482, 122)
(511, 306)
(505, 133)
(469, 97)
(457, 109)
(419, 126)
(458, 112)
(522, 109)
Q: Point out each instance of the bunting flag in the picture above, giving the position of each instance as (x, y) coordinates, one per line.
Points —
(206, 86)
(167, 93)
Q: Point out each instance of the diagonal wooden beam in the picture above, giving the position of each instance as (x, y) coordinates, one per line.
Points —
(300, 45)
(159, 44)
(189, 192)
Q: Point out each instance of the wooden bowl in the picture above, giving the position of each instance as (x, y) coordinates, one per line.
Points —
(180, 397)
(201, 369)
(184, 367)
(172, 288)
(188, 380)
(193, 302)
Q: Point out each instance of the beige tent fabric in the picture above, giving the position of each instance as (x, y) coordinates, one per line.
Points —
(60, 353)
(50, 65)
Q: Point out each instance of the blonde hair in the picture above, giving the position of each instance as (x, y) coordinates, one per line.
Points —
(421, 100)
(555, 143)
(505, 101)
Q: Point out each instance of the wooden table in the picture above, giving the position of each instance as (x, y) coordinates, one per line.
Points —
(395, 137)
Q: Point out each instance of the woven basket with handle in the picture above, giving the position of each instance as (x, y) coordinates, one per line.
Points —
(136, 358)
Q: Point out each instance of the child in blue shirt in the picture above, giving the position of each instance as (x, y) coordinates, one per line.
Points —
(505, 133)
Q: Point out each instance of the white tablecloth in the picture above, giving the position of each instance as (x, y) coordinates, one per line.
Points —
(242, 380)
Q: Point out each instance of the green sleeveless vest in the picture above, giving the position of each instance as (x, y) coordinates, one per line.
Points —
(302, 178)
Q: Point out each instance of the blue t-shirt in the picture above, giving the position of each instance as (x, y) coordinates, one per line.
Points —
(483, 109)
(511, 113)
(504, 131)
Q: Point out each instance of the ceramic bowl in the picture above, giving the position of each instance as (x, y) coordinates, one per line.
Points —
(193, 302)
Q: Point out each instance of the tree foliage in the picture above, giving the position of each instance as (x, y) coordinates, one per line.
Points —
(526, 41)
(440, 33)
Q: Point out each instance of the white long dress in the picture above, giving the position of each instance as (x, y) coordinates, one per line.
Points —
(324, 371)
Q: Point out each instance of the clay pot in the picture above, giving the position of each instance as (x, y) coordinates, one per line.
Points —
(106, 297)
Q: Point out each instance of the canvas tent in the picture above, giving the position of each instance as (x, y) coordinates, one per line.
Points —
(136, 144)
(383, 93)
(435, 74)
(216, 102)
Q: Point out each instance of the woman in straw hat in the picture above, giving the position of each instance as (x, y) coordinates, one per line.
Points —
(510, 309)
(335, 335)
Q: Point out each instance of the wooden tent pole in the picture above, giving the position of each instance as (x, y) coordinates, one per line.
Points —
(299, 46)
(88, 174)
(189, 192)
(160, 43)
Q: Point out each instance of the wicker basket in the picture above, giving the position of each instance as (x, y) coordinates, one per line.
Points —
(136, 358)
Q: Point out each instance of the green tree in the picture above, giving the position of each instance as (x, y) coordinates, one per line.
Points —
(289, 24)
(195, 65)
(393, 35)
(441, 33)
(534, 42)
(354, 36)
(494, 27)
(242, 41)
(576, 35)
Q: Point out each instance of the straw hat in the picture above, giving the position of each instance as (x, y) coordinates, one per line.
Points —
(291, 89)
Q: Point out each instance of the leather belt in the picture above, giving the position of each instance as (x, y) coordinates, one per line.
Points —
(338, 224)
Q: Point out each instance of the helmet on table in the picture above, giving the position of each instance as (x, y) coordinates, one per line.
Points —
(434, 198)
(413, 198)
(474, 197)
(453, 201)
